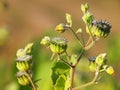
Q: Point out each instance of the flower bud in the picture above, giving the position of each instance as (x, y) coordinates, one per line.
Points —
(100, 28)
(110, 70)
(23, 78)
(92, 64)
(101, 59)
(28, 48)
(84, 8)
(58, 45)
(88, 18)
(61, 28)
(20, 53)
(24, 63)
(45, 41)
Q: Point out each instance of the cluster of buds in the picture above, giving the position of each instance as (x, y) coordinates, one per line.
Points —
(99, 64)
(24, 64)
(93, 27)
(57, 45)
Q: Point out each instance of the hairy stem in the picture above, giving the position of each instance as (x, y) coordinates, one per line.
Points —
(34, 87)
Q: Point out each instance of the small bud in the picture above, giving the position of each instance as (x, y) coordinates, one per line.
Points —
(28, 48)
(88, 18)
(20, 53)
(24, 63)
(69, 19)
(23, 78)
(61, 28)
(79, 30)
(110, 70)
(58, 45)
(45, 41)
(92, 64)
(101, 59)
(84, 8)
(100, 28)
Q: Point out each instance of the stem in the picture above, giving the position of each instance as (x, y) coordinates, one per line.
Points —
(90, 45)
(76, 36)
(59, 58)
(72, 77)
(32, 82)
(78, 59)
(94, 81)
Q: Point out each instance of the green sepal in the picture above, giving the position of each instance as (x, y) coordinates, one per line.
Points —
(73, 59)
(101, 59)
(88, 18)
(28, 48)
(92, 66)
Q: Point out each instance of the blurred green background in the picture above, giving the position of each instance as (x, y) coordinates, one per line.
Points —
(23, 21)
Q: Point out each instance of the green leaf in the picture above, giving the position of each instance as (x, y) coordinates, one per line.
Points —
(73, 59)
(60, 83)
(59, 68)
(69, 19)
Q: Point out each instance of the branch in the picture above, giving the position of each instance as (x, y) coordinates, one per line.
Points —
(94, 81)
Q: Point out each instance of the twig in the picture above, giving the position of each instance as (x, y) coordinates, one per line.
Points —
(76, 36)
(59, 58)
(72, 77)
(94, 81)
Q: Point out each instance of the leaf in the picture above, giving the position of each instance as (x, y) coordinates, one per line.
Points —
(69, 19)
(60, 83)
(59, 68)
(73, 59)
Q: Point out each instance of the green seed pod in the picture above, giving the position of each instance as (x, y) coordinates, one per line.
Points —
(58, 45)
(24, 63)
(61, 28)
(100, 28)
(23, 78)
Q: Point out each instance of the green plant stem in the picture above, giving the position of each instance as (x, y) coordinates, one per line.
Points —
(76, 36)
(89, 46)
(78, 59)
(94, 81)
(59, 58)
(32, 82)
(72, 77)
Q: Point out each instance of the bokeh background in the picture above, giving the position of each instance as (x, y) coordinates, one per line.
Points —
(24, 21)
